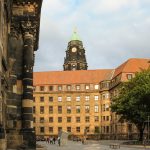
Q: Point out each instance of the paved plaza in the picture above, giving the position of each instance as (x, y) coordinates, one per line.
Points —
(91, 145)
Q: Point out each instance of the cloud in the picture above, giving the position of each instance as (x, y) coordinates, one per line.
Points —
(111, 30)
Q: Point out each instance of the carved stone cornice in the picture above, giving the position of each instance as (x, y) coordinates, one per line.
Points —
(29, 27)
(27, 14)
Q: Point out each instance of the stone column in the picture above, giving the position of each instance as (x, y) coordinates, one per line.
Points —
(27, 101)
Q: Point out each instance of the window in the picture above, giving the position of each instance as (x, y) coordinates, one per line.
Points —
(107, 95)
(34, 109)
(103, 96)
(96, 118)
(87, 87)
(50, 119)
(41, 109)
(107, 118)
(77, 119)
(60, 109)
(50, 99)
(34, 119)
(51, 129)
(41, 88)
(50, 88)
(59, 98)
(87, 119)
(42, 129)
(107, 129)
(87, 109)
(103, 118)
(33, 99)
(68, 87)
(42, 99)
(50, 109)
(68, 98)
(96, 129)
(107, 107)
(87, 129)
(87, 98)
(77, 129)
(59, 129)
(77, 109)
(59, 88)
(78, 87)
(96, 97)
(68, 109)
(129, 76)
(68, 129)
(59, 119)
(96, 108)
(96, 87)
(41, 119)
(78, 98)
(68, 119)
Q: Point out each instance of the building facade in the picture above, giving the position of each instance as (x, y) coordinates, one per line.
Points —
(79, 101)
(68, 101)
(19, 35)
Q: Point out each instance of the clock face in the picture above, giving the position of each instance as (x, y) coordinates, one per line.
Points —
(74, 49)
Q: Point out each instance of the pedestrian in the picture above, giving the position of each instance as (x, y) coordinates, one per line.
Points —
(51, 140)
(58, 141)
(47, 140)
(54, 140)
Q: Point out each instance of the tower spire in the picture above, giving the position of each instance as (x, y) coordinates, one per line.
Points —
(75, 36)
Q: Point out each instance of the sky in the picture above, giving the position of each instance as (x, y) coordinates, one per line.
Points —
(112, 31)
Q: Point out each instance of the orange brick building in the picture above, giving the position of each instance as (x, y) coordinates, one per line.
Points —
(77, 100)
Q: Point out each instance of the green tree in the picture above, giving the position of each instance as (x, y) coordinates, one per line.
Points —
(133, 101)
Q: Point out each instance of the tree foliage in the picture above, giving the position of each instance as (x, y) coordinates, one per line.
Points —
(133, 102)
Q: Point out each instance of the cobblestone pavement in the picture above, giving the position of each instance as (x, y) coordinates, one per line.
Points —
(91, 145)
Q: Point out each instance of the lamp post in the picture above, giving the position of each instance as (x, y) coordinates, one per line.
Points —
(148, 129)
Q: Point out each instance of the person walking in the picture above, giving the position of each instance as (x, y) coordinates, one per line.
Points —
(54, 140)
(58, 141)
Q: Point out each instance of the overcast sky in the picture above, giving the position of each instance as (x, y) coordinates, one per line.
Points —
(112, 31)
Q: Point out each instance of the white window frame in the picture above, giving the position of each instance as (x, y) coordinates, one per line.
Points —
(96, 87)
(87, 98)
(68, 98)
(77, 98)
(87, 87)
(59, 98)
(96, 109)
(96, 97)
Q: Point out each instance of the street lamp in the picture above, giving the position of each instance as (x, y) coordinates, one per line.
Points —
(148, 129)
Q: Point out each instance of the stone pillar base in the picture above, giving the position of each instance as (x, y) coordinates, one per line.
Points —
(29, 139)
(14, 140)
(3, 144)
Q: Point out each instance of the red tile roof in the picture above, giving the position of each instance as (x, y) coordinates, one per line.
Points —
(71, 77)
(132, 65)
(89, 76)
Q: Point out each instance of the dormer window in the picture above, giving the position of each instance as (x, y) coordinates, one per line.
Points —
(129, 76)
(59, 88)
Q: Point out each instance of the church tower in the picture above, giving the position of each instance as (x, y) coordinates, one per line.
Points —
(75, 55)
